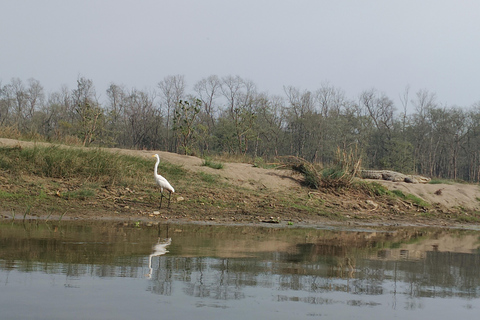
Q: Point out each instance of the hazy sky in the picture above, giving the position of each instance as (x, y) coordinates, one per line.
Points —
(353, 45)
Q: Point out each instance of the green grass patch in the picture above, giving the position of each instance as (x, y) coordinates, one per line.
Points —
(417, 200)
(261, 163)
(411, 198)
(399, 193)
(42, 195)
(207, 162)
(300, 207)
(441, 181)
(331, 215)
(208, 178)
(81, 194)
(10, 196)
(447, 181)
(95, 165)
(332, 174)
(475, 217)
(427, 214)
(372, 188)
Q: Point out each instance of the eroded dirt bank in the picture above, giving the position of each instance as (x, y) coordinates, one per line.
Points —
(262, 204)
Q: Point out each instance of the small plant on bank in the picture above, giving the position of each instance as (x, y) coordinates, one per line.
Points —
(411, 198)
(340, 176)
(82, 194)
(261, 163)
(373, 188)
(469, 218)
(207, 162)
(310, 174)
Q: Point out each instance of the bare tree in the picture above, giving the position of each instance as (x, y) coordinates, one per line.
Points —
(379, 107)
(422, 137)
(5, 105)
(35, 97)
(208, 90)
(404, 100)
(425, 100)
(172, 90)
(330, 100)
(17, 98)
(240, 95)
(142, 119)
(116, 117)
(300, 113)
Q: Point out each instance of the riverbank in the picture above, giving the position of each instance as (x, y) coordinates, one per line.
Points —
(237, 193)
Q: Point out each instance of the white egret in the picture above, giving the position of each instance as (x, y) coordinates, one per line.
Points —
(162, 183)
(158, 250)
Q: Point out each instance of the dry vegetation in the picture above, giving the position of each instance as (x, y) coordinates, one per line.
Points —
(54, 181)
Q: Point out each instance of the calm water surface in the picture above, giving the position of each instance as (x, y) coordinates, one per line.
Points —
(101, 270)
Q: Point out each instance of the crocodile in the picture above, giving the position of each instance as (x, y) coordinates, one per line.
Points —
(393, 176)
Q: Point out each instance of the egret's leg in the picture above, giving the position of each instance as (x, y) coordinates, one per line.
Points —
(169, 196)
(161, 198)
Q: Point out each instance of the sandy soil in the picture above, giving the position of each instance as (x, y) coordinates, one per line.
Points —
(455, 195)
(444, 196)
(242, 174)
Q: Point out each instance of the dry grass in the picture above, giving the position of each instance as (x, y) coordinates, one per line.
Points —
(339, 176)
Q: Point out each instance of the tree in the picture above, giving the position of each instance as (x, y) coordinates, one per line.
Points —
(384, 144)
(240, 95)
(172, 90)
(230, 115)
(35, 97)
(472, 143)
(335, 128)
(269, 125)
(87, 110)
(19, 102)
(142, 119)
(300, 122)
(184, 122)
(208, 90)
(421, 132)
(116, 120)
(5, 105)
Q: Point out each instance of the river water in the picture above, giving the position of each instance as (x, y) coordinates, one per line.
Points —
(106, 270)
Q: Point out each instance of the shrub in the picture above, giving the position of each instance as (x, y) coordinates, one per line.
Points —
(339, 176)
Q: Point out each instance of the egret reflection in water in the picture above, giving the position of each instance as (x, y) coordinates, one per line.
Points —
(235, 272)
(159, 249)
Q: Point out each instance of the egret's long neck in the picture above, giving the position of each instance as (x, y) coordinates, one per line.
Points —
(156, 166)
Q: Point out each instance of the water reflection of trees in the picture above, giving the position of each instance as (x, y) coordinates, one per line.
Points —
(203, 277)
(441, 274)
(201, 263)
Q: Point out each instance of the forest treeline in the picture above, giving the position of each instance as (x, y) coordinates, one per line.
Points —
(231, 115)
